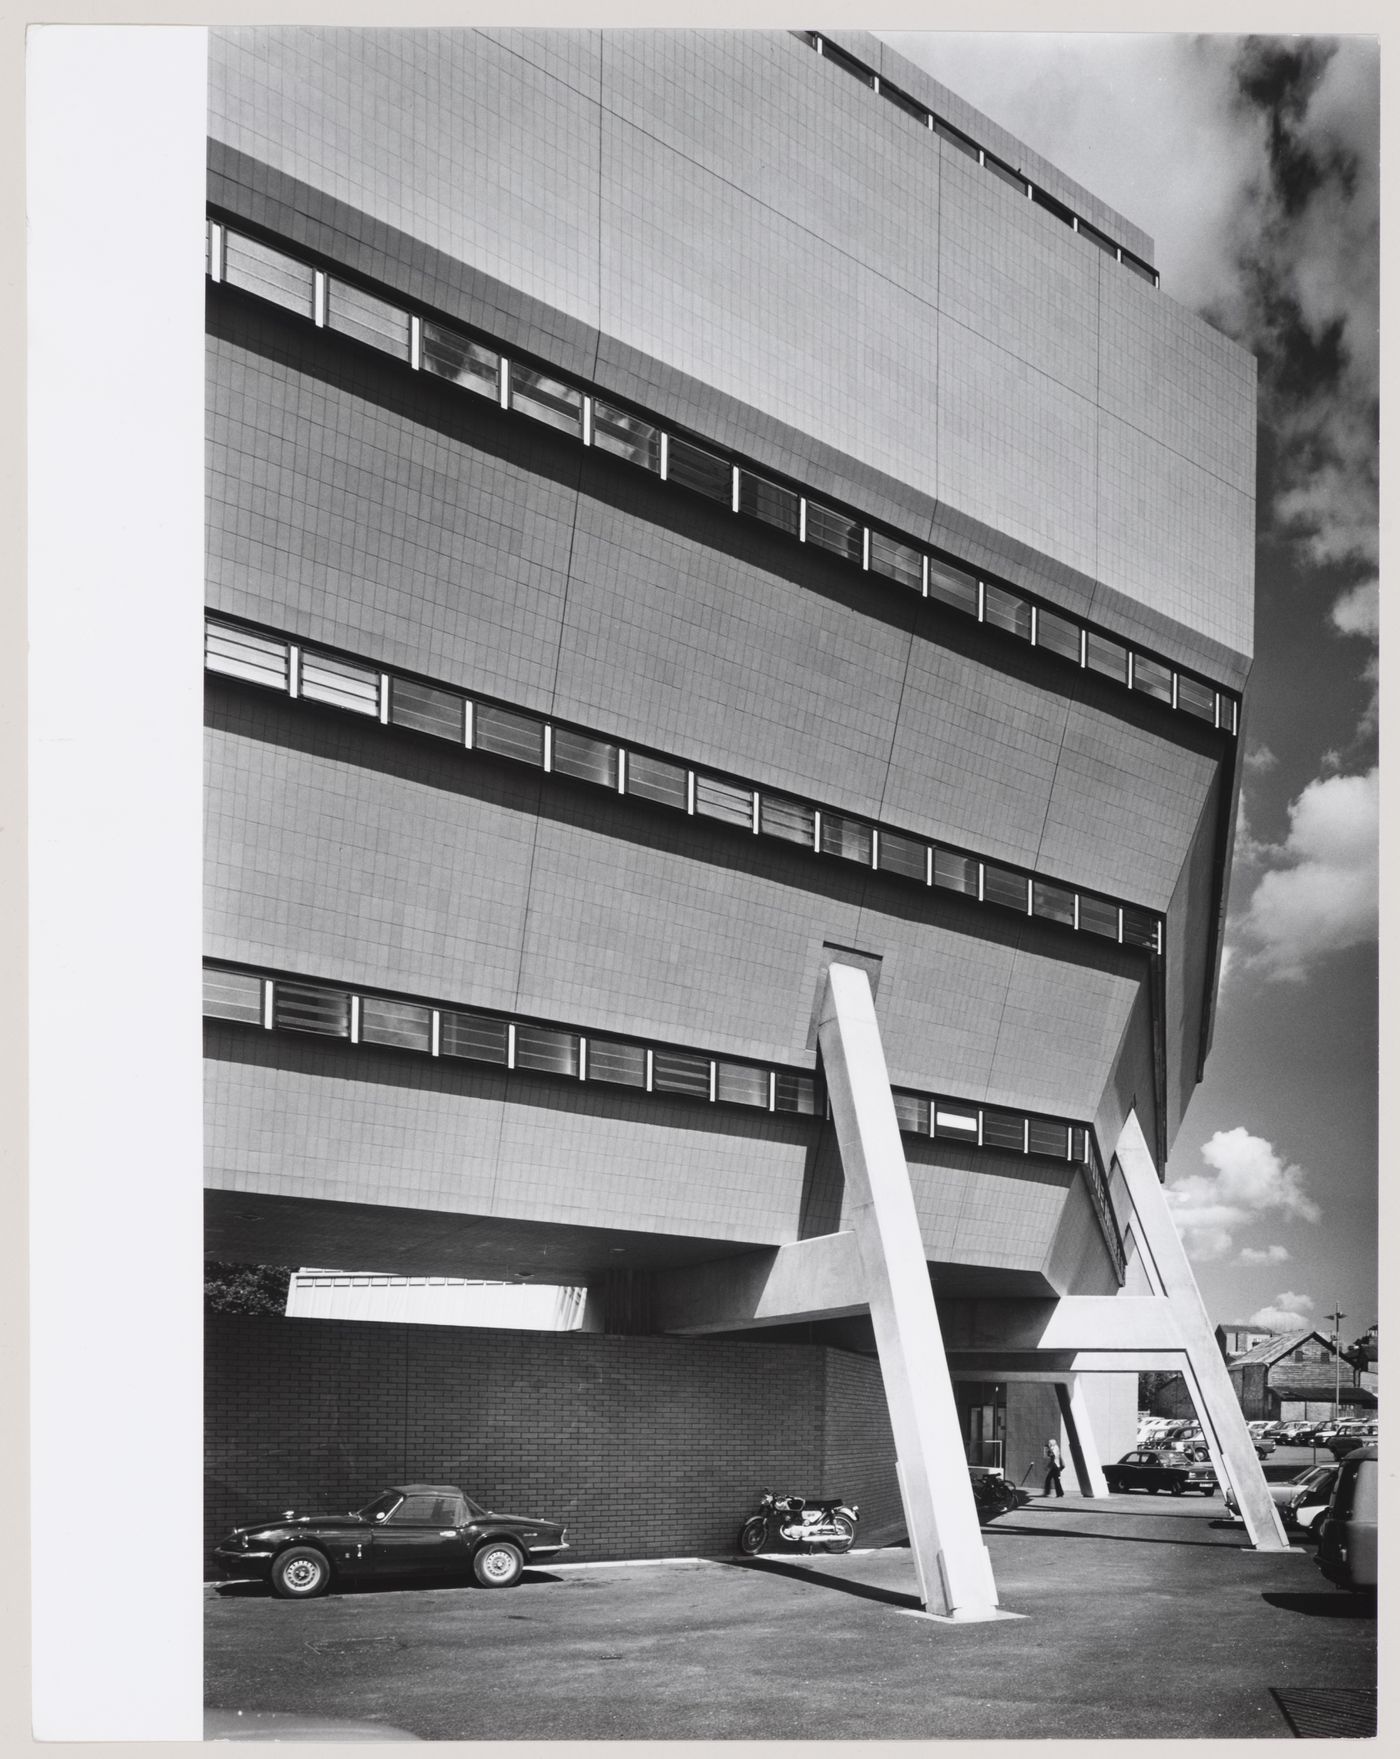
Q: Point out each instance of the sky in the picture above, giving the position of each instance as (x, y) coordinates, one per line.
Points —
(1253, 164)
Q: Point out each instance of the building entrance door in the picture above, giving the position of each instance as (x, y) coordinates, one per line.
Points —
(982, 1409)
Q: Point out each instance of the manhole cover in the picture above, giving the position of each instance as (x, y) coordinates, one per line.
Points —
(1318, 1711)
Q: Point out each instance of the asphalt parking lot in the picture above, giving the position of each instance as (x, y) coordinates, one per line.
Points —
(1142, 1617)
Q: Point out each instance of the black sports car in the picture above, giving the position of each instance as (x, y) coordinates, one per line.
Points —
(428, 1530)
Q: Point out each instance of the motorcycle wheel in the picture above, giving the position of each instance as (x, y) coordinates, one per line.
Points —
(751, 1536)
(847, 1531)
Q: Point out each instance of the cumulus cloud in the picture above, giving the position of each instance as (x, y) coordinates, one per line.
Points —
(1260, 759)
(1358, 610)
(1319, 892)
(1289, 1312)
(1245, 1179)
(1264, 1255)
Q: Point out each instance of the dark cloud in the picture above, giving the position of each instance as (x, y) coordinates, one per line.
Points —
(1278, 77)
(1303, 295)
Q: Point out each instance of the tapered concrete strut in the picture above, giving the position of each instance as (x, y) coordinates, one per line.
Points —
(1083, 1449)
(1203, 1367)
(955, 1572)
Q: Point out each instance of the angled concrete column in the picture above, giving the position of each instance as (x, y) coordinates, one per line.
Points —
(1083, 1449)
(955, 1572)
(1164, 1258)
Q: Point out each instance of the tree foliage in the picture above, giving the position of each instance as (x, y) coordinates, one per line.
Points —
(246, 1289)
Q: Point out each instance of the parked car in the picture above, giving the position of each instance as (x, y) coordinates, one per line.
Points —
(1291, 1435)
(1154, 1469)
(1264, 1443)
(427, 1530)
(1300, 1501)
(1346, 1532)
(1348, 1439)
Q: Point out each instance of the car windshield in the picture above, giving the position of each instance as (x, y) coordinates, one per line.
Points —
(376, 1510)
(436, 1508)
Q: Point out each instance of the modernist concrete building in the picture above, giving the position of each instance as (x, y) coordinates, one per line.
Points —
(706, 530)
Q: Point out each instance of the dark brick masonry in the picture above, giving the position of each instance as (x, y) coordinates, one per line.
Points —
(646, 1447)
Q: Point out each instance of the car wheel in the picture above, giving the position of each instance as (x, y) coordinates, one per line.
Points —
(846, 1527)
(1207, 1490)
(300, 1573)
(1176, 1487)
(751, 1536)
(1152, 1490)
(498, 1564)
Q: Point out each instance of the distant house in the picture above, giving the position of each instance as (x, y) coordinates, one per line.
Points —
(1286, 1377)
(1294, 1377)
(1234, 1340)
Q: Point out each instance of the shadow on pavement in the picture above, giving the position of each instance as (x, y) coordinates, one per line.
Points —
(773, 1566)
(261, 1591)
(1113, 1538)
(1322, 1604)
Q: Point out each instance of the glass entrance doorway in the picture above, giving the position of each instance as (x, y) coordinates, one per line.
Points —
(982, 1416)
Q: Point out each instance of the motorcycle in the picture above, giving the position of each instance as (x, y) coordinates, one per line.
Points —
(826, 1523)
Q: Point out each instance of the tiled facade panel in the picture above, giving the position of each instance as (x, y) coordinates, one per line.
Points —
(1000, 1212)
(1124, 804)
(706, 652)
(316, 1414)
(987, 1020)
(770, 316)
(1055, 1039)
(646, 938)
(975, 746)
(1189, 965)
(1176, 380)
(1132, 1086)
(315, 863)
(1174, 536)
(464, 556)
(774, 126)
(1022, 282)
(362, 876)
(331, 515)
(1016, 448)
(593, 209)
(1077, 1263)
(475, 148)
(352, 1124)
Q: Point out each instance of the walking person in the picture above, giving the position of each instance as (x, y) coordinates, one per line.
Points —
(1054, 1465)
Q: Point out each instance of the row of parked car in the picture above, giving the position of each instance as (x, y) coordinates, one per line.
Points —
(1335, 1504)
(1187, 1436)
(1340, 1438)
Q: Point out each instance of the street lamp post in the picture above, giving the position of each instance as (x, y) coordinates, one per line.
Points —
(1336, 1319)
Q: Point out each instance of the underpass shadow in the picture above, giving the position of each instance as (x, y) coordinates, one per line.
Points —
(1108, 1538)
(774, 1566)
(1322, 1604)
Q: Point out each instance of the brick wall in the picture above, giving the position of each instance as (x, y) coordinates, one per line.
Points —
(859, 1447)
(644, 1446)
